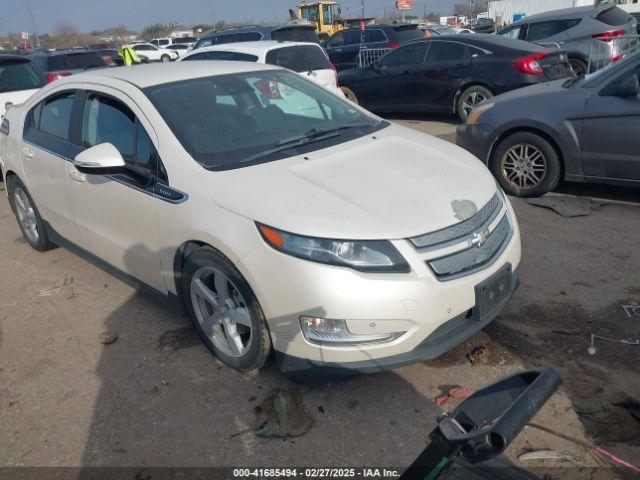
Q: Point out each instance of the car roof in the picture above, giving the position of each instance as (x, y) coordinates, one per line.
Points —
(384, 26)
(59, 53)
(256, 48)
(574, 12)
(11, 56)
(487, 40)
(148, 75)
(256, 28)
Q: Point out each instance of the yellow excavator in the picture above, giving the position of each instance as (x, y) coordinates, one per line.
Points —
(326, 15)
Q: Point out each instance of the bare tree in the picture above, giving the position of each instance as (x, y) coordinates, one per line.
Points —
(433, 17)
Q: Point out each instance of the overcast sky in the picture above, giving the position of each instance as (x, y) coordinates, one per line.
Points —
(89, 15)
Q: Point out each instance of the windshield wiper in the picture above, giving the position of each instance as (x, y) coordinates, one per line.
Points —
(319, 133)
(311, 136)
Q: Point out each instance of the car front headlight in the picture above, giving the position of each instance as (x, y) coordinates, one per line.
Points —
(477, 112)
(362, 255)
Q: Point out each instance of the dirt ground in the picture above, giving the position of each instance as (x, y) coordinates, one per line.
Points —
(156, 397)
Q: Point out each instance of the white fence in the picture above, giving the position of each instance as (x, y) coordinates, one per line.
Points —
(605, 52)
(367, 56)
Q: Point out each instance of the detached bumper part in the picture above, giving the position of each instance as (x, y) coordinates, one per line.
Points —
(442, 339)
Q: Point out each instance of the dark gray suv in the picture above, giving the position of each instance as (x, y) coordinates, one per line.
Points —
(584, 129)
(605, 33)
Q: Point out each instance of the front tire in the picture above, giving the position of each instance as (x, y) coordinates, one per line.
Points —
(470, 99)
(350, 94)
(224, 310)
(526, 165)
(165, 58)
(29, 219)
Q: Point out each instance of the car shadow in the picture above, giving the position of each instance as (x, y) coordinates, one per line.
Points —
(601, 191)
(165, 401)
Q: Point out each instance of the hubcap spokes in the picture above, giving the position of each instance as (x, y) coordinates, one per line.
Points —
(221, 311)
(472, 101)
(524, 166)
(26, 215)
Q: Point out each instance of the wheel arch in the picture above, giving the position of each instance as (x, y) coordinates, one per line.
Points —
(533, 130)
(468, 84)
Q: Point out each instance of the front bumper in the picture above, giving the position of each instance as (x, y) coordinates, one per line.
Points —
(476, 139)
(444, 338)
(434, 314)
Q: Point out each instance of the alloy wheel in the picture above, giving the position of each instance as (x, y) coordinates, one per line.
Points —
(26, 215)
(221, 311)
(472, 101)
(524, 166)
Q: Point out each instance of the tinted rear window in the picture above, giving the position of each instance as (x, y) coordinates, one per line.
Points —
(299, 59)
(541, 30)
(75, 61)
(295, 35)
(406, 34)
(231, 38)
(19, 75)
(614, 16)
(231, 56)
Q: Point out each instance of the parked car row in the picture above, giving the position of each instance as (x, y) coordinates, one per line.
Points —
(451, 74)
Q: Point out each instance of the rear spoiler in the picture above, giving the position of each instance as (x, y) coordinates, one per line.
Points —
(602, 8)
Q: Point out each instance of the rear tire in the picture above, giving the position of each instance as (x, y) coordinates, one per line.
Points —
(29, 219)
(578, 67)
(470, 99)
(526, 165)
(224, 310)
(350, 94)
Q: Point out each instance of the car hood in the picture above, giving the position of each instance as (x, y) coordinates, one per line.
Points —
(526, 93)
(396, 184)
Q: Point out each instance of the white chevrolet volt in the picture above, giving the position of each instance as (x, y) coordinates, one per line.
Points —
(282, 217)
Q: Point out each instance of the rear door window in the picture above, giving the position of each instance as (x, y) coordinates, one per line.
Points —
(233, 56)
(614, 16)
(446, 52)
(295, 35)
(409, 55)
(55, 115)
(541, 30)
(374, 35)
(19, 74)
(303, 58)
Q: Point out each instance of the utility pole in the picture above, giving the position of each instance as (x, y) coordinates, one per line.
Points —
(362, 8)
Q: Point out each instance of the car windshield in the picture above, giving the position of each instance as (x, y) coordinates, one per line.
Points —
(19, 74)
(595, 77)
(232, 121)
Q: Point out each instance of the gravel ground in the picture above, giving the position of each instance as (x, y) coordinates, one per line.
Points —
(155, 397)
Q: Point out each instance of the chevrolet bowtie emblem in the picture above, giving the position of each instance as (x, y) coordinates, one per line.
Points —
(479, 238)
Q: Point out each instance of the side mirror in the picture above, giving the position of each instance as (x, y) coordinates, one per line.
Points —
(627, 87)
(102, 159)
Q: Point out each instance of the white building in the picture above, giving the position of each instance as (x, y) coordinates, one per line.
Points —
(503, 11)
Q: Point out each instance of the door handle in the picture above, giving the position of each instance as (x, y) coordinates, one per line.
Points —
(76, 175)
(27, 153)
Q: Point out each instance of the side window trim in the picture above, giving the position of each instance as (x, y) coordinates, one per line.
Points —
(160, 187)
(46, 141)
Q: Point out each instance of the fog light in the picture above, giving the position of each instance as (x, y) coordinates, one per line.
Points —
(325, 331)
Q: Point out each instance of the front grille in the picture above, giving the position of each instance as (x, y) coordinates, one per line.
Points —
(474, 257)
(462, 229)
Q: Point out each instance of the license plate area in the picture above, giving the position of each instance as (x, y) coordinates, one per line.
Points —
(493, 292)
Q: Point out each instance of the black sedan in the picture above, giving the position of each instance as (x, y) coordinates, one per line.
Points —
(451, 73)
(585, 129)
